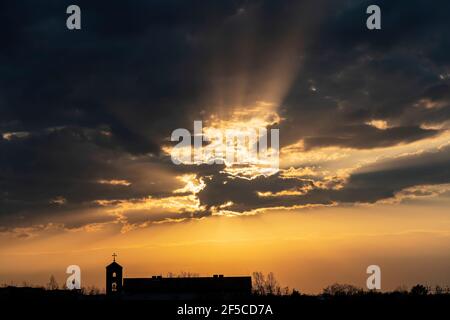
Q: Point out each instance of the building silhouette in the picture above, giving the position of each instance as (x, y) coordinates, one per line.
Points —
(113, 277)
(158, 287)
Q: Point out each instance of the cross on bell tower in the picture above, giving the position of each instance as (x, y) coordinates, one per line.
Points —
(113, 277)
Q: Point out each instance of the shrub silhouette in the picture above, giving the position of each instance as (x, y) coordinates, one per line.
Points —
(419, 290)
(342, 290)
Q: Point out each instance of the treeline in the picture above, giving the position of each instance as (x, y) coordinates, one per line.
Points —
(52, 285)
(268, 285)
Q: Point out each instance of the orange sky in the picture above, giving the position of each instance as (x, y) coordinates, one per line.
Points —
(307, 246)
(307, 249)
(364, 130)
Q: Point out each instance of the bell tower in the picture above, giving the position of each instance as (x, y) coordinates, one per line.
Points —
(113, 277)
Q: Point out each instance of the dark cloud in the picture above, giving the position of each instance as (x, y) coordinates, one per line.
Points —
(382, 180)
(366, 185)
(359, 75)
(244, 193)
(366, 136)
(77, 107)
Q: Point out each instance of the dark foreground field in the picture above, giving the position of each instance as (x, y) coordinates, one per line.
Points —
(362, 306)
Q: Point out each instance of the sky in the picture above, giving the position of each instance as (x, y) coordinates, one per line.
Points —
(363, 115)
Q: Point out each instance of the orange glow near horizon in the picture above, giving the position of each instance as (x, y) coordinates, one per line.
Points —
(306, 249)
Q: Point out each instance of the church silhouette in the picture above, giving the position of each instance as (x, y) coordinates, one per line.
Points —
(158, 287)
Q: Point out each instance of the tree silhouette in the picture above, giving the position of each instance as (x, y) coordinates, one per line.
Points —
(52, 284)
(420, 290)
(342, 290)
(92, 290)
(259, 283)
(438, 290)
(265, 285)
(187, 274)
(271, 285)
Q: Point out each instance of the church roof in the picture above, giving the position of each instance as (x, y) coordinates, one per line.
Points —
(113, 265)
(195, 285)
